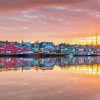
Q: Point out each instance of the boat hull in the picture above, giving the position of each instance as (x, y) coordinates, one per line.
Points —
(33, 55)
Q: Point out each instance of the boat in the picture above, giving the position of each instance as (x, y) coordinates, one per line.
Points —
(33, 55)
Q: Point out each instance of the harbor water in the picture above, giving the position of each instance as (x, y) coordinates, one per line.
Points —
(70, 78)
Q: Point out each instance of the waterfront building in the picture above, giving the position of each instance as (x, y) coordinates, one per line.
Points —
(80, 50)
(35, 49)
(97, 50)
(44, 44)
(89, 50)
(9, 49)
(26, 44)
(47, 47)
(62, 48)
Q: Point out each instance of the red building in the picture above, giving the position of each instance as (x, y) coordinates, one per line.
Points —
(9, 49)
(13, 49)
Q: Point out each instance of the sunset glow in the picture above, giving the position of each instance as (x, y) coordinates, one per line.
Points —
(69, 21)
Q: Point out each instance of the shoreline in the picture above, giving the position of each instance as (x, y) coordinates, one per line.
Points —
(43, 55)
(35, 55)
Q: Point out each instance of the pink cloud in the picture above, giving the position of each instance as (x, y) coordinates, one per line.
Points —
(16, 5)
(48, 19)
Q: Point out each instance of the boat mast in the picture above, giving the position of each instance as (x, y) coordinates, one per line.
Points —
(96, 40)
(96, 43)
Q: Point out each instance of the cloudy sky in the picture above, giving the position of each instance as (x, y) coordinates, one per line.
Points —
(49, 20)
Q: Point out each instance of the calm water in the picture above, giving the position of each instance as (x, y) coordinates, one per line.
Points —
(50, 78)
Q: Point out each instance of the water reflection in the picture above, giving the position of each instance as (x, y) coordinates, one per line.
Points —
(84, 63)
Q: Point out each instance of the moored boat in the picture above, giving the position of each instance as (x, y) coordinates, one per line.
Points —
(32, 55)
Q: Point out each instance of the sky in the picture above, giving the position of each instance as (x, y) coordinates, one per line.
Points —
(49, 20)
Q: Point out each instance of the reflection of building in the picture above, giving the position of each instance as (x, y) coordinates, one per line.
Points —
(35, 62)
(46, 63)
(9, 62)
(97, 51)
